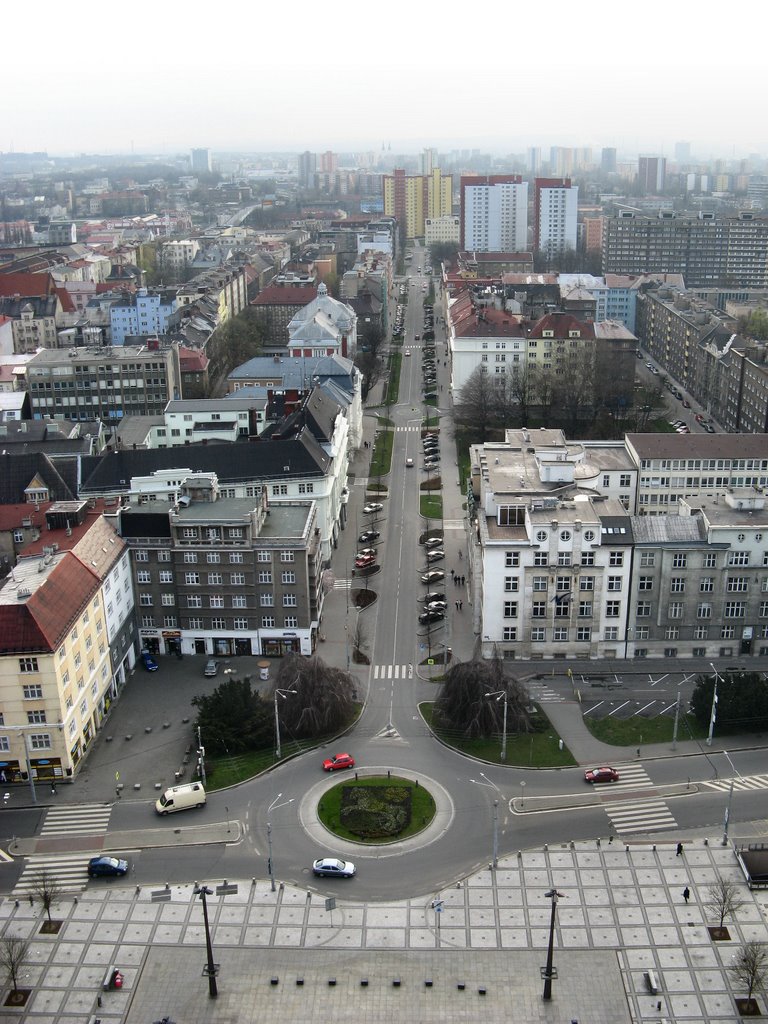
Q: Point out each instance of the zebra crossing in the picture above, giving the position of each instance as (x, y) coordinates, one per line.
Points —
(76, 820)
(342, 584)
(636, 815)
(740, 784)
(393, 672)
(69, 872)
(543, 694)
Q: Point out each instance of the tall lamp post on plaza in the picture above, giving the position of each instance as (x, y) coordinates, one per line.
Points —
(498, 694)
(283, 694)
(713, 715)
(549, 972)
(211, 969)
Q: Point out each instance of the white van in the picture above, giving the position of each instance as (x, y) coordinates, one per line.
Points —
(181, 798)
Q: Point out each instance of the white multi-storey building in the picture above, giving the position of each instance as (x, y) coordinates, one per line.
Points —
(494, 213)
(556, 209)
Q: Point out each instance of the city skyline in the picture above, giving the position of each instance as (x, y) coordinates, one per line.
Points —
(329, 83)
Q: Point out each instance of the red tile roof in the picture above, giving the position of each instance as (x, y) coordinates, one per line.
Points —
(28, 285)
(285, 295)
(12, 515)
(561, 324)
(191, 361)
(67, 305)
(43, 621)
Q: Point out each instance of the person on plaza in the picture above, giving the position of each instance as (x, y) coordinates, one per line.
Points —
(679, 850)
(686, 894)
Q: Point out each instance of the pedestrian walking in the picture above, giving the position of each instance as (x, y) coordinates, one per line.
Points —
(679, 850)
(686, 894)
(461, 605)
(463, 580)
(457, 605)
(453, 574)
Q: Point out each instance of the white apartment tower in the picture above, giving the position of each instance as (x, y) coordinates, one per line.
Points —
(555, 221)
(494, 213)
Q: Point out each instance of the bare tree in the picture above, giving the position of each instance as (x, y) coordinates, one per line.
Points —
(750, 966)
(13, 952)
(475, 404)
(723, 899)
(324, 700)
(46, 889)
(463, 705)
(360, 642)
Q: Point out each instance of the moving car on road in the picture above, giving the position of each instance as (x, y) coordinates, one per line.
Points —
(211, 668)
(149, 662)
(604, 774)
(371, 507)
(330, 867)
(107, 867)
(333, 764)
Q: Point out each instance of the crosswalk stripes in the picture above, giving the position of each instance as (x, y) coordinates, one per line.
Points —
(76, 820)
(742, 783)
(67, 873)
(544, 694)
(454, 524)
(342, 584)
(393, 672)
(636, 815)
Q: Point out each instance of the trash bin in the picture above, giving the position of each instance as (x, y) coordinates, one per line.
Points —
(263, 667)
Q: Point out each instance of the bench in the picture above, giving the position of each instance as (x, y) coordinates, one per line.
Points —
(651, 983)
(107, 983)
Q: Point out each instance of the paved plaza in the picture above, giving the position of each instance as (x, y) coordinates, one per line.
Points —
(622, 914)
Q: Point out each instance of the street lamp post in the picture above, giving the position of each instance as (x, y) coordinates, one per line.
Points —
(499, 694)
(713, 716)
(271, 866)
(211, 969)
(727, 817)
(549, 971)
(283, 694)
(495, 833)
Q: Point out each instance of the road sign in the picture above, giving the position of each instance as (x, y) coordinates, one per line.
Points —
(330, 903)
(430, 661)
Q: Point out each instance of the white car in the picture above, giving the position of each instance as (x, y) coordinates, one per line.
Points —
(372, 506)
(331, 867)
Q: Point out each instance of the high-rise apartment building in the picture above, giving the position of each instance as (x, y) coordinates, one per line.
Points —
(682, 152)
(494, 213)
(556, 203)
(608, 161)
(411, 198)
(307, 169)
(651, 174)
(200, 161)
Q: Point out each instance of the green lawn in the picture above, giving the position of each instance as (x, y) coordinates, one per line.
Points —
(393, 388)
(227, 771)
(431, 506)
(381, 463)
(633, 732)
(533, 750)
(422, 807)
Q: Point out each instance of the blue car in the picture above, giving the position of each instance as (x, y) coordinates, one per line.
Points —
(149, 662)
(107, 867)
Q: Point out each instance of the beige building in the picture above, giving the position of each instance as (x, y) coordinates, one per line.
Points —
(412, 198)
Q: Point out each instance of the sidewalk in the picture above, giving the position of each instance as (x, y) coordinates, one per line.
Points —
(476, 958)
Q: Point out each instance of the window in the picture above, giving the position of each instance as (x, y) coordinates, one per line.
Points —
(163, 556)
(538, 635)
(263, 556)
(143, 576)
(647, 559)
(706, 584)
(588, 558)
(291, 621)
(237, 557)
(509, 633)
(511, 559)
(33, 691)
(194, 601)
(763, 611)
(606, 480)
(5, 743)
(266, 600)
(625, 480)
(675, 610)
(560, 634)
(288, 576)
(215, 579)
(189, 533)
(710, 560)
(279, 489)
(738, 558)
(563, 584)
(612, 609)
(701, 633)
(539, 609)
(140, 556)
(190, 557)
(679, 561)
(195, 623)
(239, 601)
(541, 536)
(540, 558)
(737, 584)
(166, 576)
(564, 558)
(586, 583)
(218, 623)
(645, 583)
(265, 576)
(145, 600)
(148, 621)
(192, 579)
(28, 665)
(213, 557)
(643, 609)
(240, 623)
(510, 609)
(671, 633)
(677, 586)
(39, 741)
(286, 556)
(616, 558)
(614, 583)
(216, 601)
(584, 633)
(540, 583)
(589, 535)
(267, 622)
(704, 611)
(727, 632)
(734, 609)
(168, 600)
(585, 609)
(289, 601)
(642, 633)
(236, 532)
(170, 622)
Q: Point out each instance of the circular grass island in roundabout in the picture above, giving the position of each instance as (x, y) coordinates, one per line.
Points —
(376, 809)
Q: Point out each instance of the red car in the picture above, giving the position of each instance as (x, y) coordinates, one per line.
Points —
(362, 561)
(604, 774)
(331, 764)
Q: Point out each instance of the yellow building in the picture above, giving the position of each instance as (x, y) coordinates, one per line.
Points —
(412, 198)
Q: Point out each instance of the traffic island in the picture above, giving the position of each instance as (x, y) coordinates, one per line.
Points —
(377, 809)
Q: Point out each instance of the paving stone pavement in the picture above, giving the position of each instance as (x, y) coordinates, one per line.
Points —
(622, 914)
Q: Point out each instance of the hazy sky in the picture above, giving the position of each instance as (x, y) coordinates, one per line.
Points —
(499, 75)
